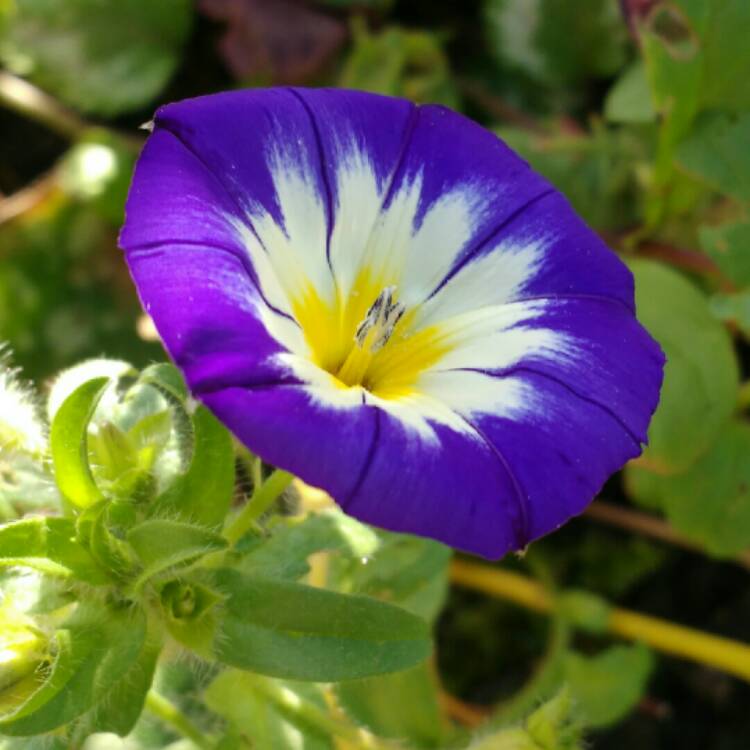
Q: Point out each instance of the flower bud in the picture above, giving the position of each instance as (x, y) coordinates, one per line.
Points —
(23, 647)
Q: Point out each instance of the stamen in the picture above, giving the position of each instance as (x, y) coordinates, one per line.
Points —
(372, 334)
(380, 321)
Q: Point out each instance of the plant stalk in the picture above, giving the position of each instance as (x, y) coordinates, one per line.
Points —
(261, 500)
(165, 710)
(732, 657)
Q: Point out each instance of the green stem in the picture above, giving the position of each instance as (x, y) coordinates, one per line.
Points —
(163, 709)
(305, 712)
(730, 656)
(263, 497)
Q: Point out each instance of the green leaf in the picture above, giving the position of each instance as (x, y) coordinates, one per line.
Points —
(673, 68)
(729, 245)
(701, 375)
(724, 28)
(162, 545)
(595, 171)
(106, 56)
(606, 687)
(734, 308)
(49, 544)
(406, 570)
(629, 100)
(120, 706)
(239, 698)
(398, 62)
(690, 48)
(203, 494)
(288, 630)
(403, 705)
(285, 553)
(94, 652)
(718, 151)
(69, 444)
(557, 42)
(710, 502)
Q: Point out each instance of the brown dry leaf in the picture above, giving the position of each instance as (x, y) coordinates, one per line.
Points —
(278, 41)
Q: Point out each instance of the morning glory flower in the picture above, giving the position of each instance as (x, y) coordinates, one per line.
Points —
(386, 301)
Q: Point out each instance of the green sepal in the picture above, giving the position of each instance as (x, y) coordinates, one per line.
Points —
(69, 444)
(190, 614)
(289, 630)
(50, 545)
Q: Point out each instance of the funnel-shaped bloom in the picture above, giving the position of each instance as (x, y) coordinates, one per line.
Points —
(386, 301)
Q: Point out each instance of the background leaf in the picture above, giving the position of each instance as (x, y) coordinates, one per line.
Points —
(103, 57)
(608, 685)
(236, 696)
(710, 502)
(701, 375)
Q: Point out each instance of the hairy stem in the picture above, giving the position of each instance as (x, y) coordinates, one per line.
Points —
(262, 499)
(165, 710)
(727, 655)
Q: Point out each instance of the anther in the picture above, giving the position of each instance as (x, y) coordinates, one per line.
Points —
(380, 321)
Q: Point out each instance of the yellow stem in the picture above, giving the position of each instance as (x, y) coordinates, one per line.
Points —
(725, 654)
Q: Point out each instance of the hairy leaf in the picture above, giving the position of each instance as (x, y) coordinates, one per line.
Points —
(288, 630)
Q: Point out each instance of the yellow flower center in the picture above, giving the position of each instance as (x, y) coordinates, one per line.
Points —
(368, 339)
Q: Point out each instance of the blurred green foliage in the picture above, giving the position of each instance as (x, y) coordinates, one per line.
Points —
(640, 113)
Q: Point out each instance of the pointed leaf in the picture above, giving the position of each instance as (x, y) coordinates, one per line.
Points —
(285, 629)
(69, 444)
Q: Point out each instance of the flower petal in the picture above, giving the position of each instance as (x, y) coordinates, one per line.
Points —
(535, 381)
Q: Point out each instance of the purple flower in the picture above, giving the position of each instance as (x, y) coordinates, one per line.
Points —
(386, 301)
